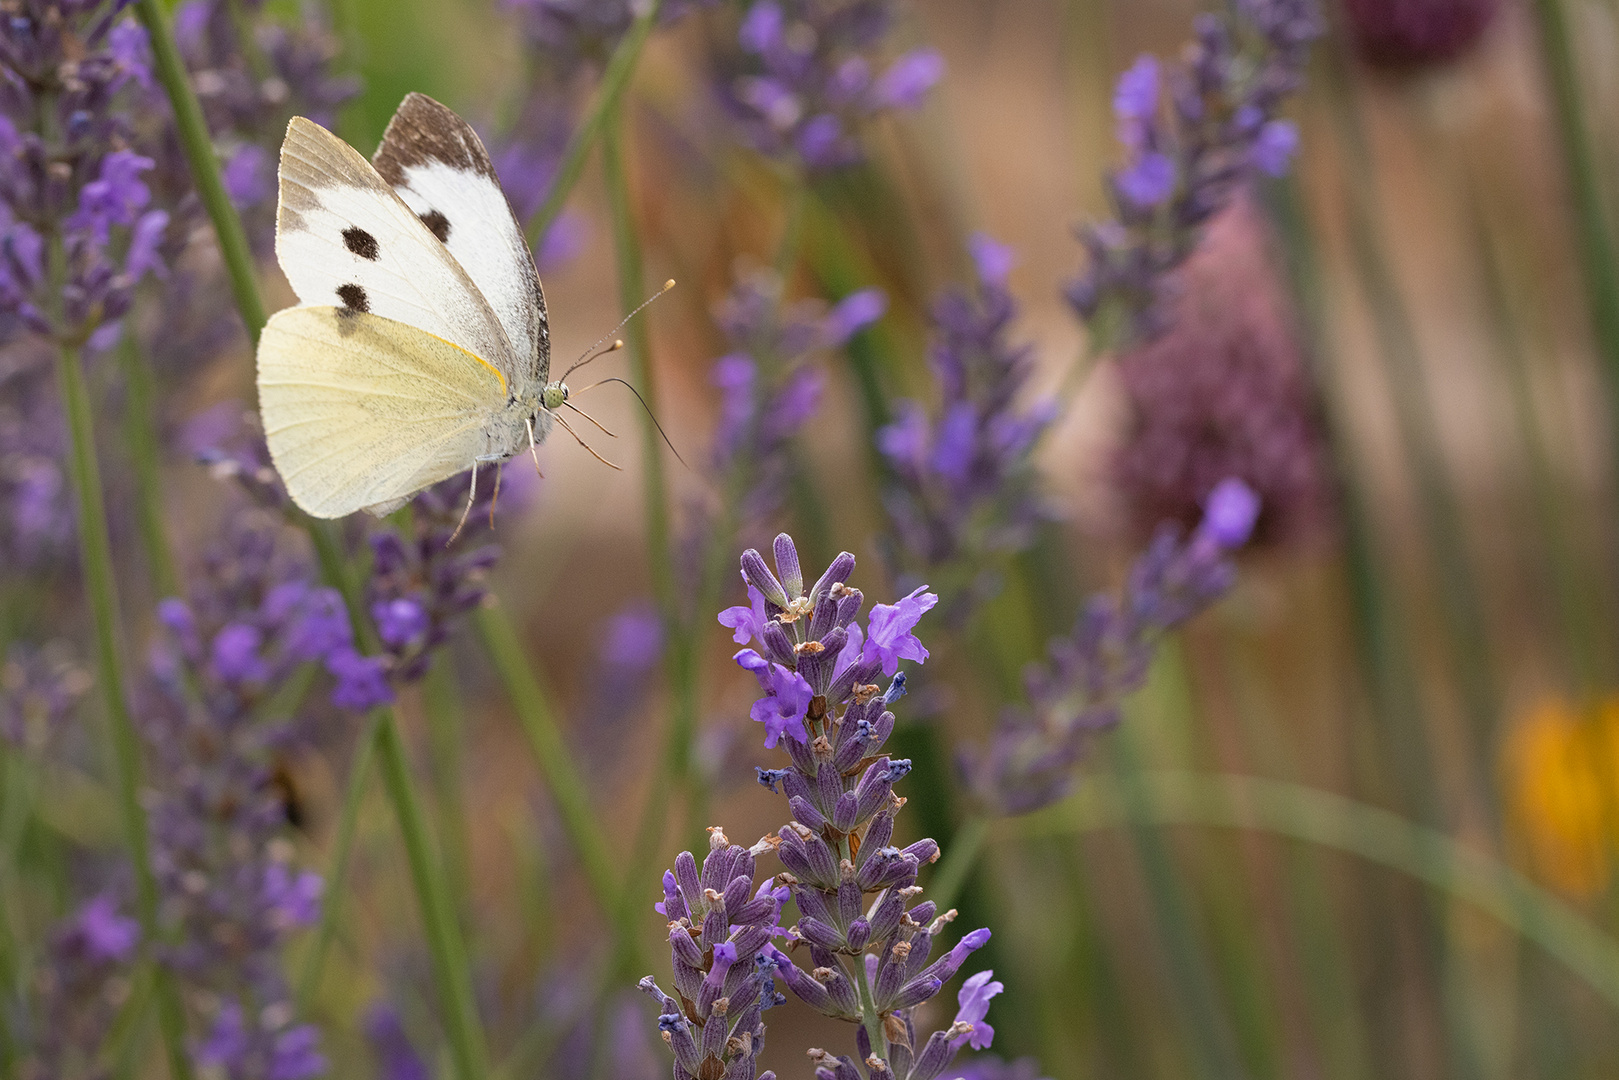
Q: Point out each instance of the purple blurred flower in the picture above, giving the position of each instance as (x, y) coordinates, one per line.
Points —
(800, 83)
(397, 1058)
(107, 934)
(1135, 99)
(293, 898)
(908, 79)
(964, 485)
(1182, 168)
(362, 681)
(400, 621)
(1148, 181)
(1030, 760)
(769, 386)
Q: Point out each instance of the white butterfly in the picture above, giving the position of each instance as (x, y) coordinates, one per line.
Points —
(419, 346)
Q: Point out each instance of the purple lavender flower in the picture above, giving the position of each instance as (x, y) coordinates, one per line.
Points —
(807, 76)
(225, 874)
(890, 639)
(870, 957)
(974, 999)
(1030, 760)
(1410, 33)
(397, 1058)
(420, 586)
(68, 172)
(719, 927)
(964, 486)
(107, 935)
(1183, 166)
(768, 382)
(80, 981)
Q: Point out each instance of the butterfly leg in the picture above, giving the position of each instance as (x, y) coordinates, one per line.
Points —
(493, 499)
(533, 450)
(472, 493)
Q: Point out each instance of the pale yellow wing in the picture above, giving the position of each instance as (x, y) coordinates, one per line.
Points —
(360, 410)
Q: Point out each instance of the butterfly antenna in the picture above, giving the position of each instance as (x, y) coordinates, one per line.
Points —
(495, 498)
(533, 449)
(645, 406)
(584, 444)
(472, 493)
(591, 354)
(592, 419)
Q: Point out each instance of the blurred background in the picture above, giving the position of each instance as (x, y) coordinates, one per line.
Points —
(1361, 818)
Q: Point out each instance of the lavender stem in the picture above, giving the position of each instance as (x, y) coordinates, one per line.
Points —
(199, 151)
(140, 435)
(95, 555)
(958, 860)
(615, 78)
(551, 752)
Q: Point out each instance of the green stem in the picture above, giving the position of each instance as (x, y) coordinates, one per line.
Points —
(627, 252)
(1456, 583)
(451, 968)
(441, 696)
(140, 435)
(1173, 797)
(868, 1011)
(1592, 238)
(1212, 1048)
(95, 554)
(199, 151)
(615, 77)
(957, 864)
(347, 821)
(551, 751)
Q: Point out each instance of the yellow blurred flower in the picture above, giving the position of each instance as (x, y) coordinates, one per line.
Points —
(1561, 770)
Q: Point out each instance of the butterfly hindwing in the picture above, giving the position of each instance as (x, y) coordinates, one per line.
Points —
(438, 166)
(344, 237)
(361, 411)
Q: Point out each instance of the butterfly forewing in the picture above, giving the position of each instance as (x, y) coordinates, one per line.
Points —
(362, 411)
(438, 166)
(344, 237)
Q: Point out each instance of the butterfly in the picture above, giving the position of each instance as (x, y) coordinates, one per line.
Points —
(420, 345)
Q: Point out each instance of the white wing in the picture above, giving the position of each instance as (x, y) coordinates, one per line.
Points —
(344, 237)
(438, 166)
(362, 411)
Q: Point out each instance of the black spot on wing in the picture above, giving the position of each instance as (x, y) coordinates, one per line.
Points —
(437, 224)
(354, 298)
(361, 243)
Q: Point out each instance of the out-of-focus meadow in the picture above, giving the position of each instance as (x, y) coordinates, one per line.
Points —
(1360, 820)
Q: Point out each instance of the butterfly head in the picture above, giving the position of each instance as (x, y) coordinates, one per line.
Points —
(554, 395)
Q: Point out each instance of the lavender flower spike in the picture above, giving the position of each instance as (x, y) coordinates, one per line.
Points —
(1030, 760)
(1218, 130)
(867, 936)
